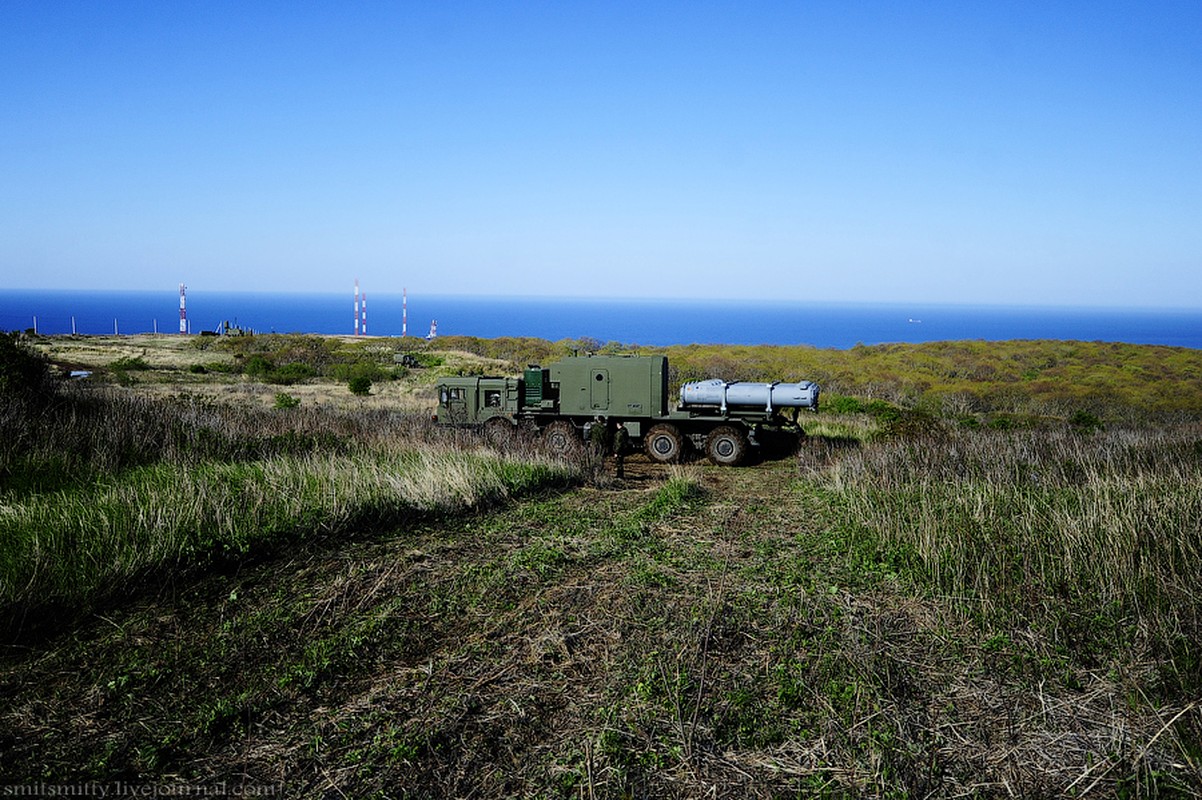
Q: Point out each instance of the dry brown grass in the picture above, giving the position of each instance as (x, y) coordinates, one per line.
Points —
(165, 352)
(171, 357)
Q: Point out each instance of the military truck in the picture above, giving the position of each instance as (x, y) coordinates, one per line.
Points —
(561, 401)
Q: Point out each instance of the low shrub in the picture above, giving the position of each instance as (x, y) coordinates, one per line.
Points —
(130, 364)
(1085, 422)
(24, 372)
(289, 374)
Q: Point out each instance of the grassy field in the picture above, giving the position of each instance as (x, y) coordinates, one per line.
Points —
(951, 590)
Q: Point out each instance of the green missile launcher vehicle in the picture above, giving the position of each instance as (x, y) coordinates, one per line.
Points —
(561, 401)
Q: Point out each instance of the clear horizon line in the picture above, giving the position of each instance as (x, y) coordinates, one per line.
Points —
(174, 290)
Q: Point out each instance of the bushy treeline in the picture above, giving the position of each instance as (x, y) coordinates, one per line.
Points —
(952, 379)
(519, 351)
(966, 377)
(1026, 378)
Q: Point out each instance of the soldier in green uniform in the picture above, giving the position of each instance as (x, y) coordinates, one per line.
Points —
(598, 438)
(621, 439)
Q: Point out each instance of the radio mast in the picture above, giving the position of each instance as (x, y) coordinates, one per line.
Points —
(183, 309)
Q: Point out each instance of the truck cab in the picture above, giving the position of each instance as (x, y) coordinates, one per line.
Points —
(475, 400)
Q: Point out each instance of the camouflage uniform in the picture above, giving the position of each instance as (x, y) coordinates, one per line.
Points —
(597, 438)
(621, 440)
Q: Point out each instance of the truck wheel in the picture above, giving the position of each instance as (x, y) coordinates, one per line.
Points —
(498, 431)
(561, 438)
(664, 444)
(726, 446)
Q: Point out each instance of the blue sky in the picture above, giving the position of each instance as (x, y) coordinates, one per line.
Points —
(976, 152)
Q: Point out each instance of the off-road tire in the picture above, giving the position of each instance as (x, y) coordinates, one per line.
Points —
(726, 446)
(561, 438)
(663, 443)
(499, 431)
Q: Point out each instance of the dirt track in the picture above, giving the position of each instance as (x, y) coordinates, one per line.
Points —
(612, 641)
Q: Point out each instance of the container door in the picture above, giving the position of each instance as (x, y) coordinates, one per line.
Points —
(599, 389)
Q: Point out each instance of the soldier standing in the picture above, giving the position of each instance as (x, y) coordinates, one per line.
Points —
(621, 439)
(597, 438)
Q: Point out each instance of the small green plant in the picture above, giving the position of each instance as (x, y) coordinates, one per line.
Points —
(360, 369)
(360, 385)
(289, 374)
(257, 367)
(283, 400)
(128, 364)
(223, 367)
(1085, 422)
(841, 404)
(266, 370)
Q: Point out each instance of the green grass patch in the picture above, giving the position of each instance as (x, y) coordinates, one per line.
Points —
(65, 547)
(1095, 538)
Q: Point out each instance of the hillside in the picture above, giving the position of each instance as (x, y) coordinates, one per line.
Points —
(943, 594)
(1015, 378)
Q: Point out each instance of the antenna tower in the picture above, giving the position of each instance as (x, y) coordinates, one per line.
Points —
(356, 306)
(404, 312)
(183, 309)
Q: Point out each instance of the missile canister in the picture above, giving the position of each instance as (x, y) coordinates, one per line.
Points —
(738, 393)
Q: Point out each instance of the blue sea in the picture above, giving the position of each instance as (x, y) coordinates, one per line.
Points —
(645, 322)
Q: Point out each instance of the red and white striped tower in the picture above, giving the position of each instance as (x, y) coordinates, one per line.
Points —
(183, 309)
(404, 312)
(356, 306)
(365, 313)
